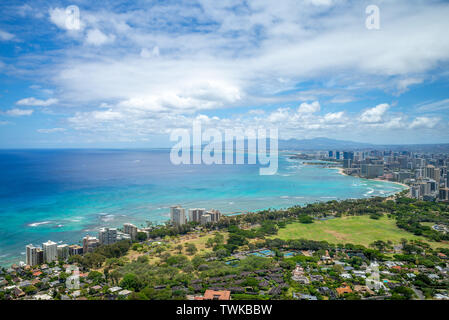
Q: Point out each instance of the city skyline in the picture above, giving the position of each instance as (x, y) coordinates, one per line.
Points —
(132, 72)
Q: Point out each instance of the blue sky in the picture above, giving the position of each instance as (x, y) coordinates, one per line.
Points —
(135, 70)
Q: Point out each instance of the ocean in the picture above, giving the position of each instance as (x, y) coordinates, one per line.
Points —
(62, 195)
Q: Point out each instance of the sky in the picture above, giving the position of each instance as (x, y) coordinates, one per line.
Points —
(127, 73)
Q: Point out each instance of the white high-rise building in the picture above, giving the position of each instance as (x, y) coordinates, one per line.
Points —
(50, 251)
(63, 252)
(32, 258)
(195, 214)
(206, 218)
(89, 244)
(107, 236)
(130, 229)
(177, 215)
(214, 214)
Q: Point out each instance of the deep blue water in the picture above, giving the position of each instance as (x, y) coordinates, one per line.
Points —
(62, 195)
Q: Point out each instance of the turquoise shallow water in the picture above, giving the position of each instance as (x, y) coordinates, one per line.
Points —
(65, 194)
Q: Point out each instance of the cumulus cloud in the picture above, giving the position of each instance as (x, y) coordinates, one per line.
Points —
(309, 108)
(280, 115)
(255, 65)
(58, 17)
(36, 102)
(424, 122)
(161, 68)
(97, 38)
(374, 115)
(334, 117)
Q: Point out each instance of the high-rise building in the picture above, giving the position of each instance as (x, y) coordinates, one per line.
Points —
(206, 218)
(75, 250)
(50, 251)
(107, 236)
(90, 243)
(123, 236)
(195, 214)
(215, 215)
(372, 170)
(177, 215)
(433, 186)
(444, 194)
(63, 252)
(415, 192)
(430, 172)
(424, 189)
(402, 175)
(347, 163)
(331, 154)
(40, 256)
(347, 155)
(32, 255)
(403, 161)
(130, 229)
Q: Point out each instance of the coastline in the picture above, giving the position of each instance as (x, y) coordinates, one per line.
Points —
(342, 172)
(288, 204)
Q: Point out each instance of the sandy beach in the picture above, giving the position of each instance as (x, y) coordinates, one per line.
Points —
(342, 172)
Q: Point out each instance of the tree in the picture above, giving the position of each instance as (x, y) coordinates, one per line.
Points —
(306, 219)
(141, 236)
(30, 289)
(379, 245)
(95, 276)
(222, 253)
(131, 282)
(191, 249)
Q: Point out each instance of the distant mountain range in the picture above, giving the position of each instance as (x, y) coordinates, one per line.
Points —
(332, 144)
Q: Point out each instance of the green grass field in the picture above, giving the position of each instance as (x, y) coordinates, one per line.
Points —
(357, 230)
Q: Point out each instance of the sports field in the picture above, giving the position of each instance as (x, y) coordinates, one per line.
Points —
(355, 229)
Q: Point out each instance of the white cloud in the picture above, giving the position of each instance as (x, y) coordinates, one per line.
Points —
(395, 123)
(374, 115)
(97, 38)
(404, 84)
(244, 56)
(305, 108)
(424, 122)
(335, 117)
(145, 53)
(342, 99)
(52, 130)
(253, 65)
(280, 115)
(320, 2)
(19, 112)
(6, 36)
(434, 106)
(59, 17)
(36, 102)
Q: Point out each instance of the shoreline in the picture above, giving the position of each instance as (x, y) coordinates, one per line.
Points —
(342, 172)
